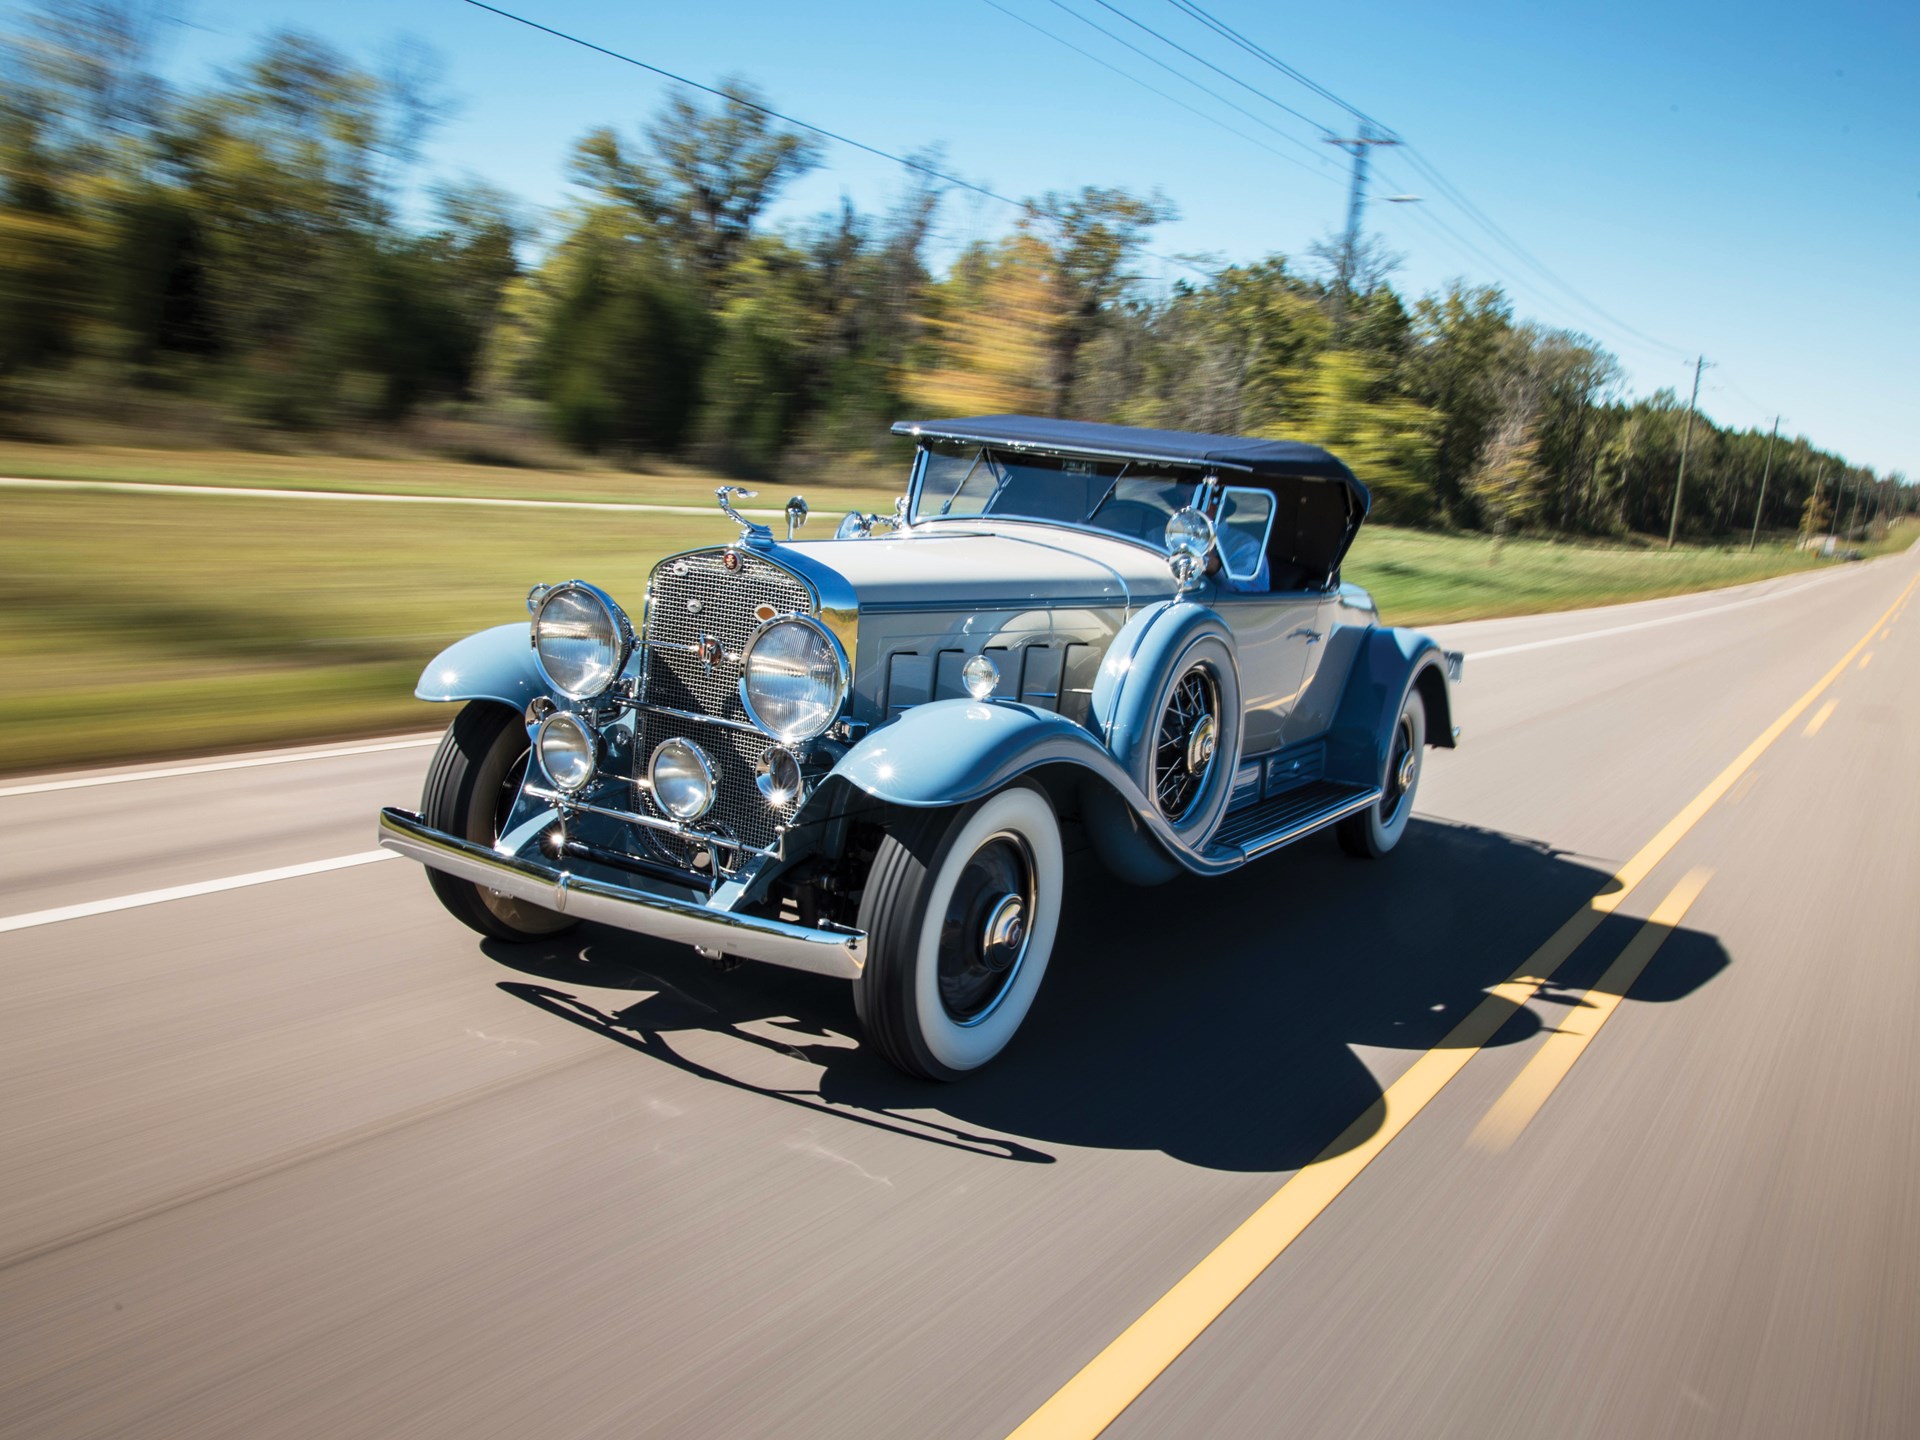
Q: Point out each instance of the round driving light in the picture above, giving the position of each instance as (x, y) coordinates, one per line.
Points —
(567, 750)
(794, 679)
(683, 779)
(981, 677)
(853, 526)
(581, 639)
(778, 776)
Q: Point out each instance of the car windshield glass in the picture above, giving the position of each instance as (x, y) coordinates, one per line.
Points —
(960, 481)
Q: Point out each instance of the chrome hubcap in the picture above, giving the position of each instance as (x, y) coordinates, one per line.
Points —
(1402, 766)
(1006, 928)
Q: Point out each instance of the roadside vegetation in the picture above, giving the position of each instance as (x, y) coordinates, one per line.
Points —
(140, 626)
(258, 262)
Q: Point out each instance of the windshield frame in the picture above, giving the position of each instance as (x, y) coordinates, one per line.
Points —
(988, 454)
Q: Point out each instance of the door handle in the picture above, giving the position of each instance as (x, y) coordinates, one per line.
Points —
(1308, 631)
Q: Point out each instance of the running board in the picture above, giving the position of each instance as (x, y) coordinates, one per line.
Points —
(1284, 818)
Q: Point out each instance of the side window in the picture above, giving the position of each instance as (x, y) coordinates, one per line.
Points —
(1246, 517)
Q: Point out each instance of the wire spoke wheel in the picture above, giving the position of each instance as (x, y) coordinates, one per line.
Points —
(1186, 743)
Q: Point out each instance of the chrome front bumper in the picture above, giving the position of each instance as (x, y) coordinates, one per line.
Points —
(823, 952)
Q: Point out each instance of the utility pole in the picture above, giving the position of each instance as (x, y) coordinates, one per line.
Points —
(1764, 473)
(1686, 443)
(1358, 147)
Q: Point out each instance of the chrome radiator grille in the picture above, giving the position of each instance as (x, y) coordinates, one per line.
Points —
(691, 598)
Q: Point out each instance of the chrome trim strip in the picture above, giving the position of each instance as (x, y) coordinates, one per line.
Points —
(840, 953)
(722, 721)
(1256, 848)
(566, 803)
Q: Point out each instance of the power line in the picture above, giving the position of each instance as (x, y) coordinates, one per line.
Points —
(1227, 32)
(1473, 212)
(1227, 74)
(1182, 75)
(1425, 166)
(918, 166)
(1153, 89)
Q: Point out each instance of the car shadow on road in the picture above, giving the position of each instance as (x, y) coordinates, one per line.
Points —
(1220, 1021)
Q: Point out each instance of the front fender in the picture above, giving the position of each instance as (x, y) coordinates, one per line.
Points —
(496, 664)
(1390, 663)
(952, 752)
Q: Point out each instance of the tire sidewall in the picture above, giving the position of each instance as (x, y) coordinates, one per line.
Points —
(1212, 651)
(1384, 834)
(956, 1048)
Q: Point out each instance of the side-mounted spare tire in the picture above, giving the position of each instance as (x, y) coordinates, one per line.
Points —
(471, 785)
(1174, 723)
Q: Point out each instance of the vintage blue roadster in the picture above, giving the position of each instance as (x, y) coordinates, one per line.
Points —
(856, 756)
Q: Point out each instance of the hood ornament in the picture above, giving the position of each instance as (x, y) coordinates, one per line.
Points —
(751, 533)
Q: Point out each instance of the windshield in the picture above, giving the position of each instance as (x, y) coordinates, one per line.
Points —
(1128, 499)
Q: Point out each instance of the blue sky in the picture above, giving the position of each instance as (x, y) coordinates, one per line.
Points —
(1740, 180)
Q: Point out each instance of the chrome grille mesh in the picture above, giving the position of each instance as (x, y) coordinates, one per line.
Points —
(691, 597)
(725, 601)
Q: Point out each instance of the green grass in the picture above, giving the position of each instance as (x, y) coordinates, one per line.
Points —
(136, 626)
(661, 482)
(1422, 578)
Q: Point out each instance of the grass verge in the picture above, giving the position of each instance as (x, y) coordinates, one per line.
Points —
(137, 626)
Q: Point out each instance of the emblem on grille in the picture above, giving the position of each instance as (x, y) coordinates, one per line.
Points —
(730, 559)
(764, 612)
(709, 651)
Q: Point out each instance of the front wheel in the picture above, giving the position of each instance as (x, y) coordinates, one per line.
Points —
(471, 787)
(1378, 828)
(960, 912)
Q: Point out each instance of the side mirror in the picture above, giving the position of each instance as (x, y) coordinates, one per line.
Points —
(1189, 542)
(796, 514)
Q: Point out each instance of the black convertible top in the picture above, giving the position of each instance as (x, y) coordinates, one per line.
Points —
(1264, 458)
(1315, 524)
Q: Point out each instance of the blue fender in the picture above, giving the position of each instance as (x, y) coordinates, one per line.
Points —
(496, 664)
(952, 752)
(1120, 711)
(1390, 663)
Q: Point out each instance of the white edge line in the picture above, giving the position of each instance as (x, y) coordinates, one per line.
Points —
(36, 918)
(1650, 624)
(142, 487)
(205, 767)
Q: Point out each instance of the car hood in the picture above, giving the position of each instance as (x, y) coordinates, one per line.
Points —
(954, 565)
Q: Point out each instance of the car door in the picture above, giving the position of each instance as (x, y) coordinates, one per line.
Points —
(1278, 639)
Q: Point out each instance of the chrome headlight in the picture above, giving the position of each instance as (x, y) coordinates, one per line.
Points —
(567, 749)
(682, 778)
(795, 678)
(581, 638)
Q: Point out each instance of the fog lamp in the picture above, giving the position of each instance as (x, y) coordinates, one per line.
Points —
(567, 749)
(683, 779)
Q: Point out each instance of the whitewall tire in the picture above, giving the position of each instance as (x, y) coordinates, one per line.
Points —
(1378, 828)
(961, 910)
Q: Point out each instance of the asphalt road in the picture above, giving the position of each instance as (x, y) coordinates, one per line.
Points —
(301, 1158)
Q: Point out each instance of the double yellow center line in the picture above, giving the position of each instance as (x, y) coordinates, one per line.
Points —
(1114, 1378)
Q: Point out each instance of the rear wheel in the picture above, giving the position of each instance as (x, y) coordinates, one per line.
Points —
(960, 912)
(1378, 828)
(471, 786)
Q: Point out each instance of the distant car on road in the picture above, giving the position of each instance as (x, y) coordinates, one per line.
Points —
(855, 756)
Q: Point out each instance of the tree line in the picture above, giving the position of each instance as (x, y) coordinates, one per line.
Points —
(249, 244)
